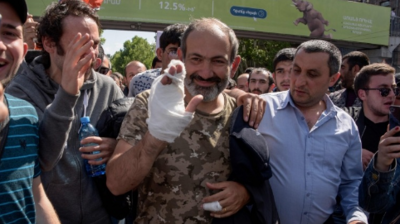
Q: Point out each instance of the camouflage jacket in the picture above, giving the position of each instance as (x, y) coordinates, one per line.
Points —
(175, 186)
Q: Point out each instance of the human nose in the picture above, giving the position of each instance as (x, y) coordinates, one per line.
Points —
(300, 80)
(206, 69)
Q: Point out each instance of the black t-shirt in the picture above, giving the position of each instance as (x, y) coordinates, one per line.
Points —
(372, 134)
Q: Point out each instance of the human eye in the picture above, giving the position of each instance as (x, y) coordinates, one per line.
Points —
(219, 62)
(195, 60)
(10, 34)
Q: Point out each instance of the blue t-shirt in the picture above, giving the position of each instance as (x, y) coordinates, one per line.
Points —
(19, 163)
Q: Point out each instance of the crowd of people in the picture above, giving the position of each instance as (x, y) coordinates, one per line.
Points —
(190, 140)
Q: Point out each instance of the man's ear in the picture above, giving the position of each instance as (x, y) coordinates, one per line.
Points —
(25, 48)
(180, 54)
(49, 45)
(235, 65)
(97, 64)
(271, 87)
(159, 53)
(355, 69)
(274, 77)
(333, 79)
(362, 94)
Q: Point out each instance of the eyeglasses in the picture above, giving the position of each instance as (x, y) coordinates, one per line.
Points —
(385, 91)
(103, 70)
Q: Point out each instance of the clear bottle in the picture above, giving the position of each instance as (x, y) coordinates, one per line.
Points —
(88, 130)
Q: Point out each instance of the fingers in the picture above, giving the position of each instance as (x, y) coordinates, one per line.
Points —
(166, 80)
(172, 71)
(391, 132)
(92, 139)
(194, 102)
(257, 113)
(253, 109)
(246, 109)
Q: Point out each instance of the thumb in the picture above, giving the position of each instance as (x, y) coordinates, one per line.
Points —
(194, 102)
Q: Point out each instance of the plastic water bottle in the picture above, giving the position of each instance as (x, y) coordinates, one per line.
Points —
(88, 130)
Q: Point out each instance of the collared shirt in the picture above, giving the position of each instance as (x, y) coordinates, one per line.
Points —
(311, 167)
(143, 81)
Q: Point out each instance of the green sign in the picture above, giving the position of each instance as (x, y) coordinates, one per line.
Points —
(329, 19)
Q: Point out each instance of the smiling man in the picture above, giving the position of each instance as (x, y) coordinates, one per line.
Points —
(62, 86)
(313, 145)
(22, 196)
(176, 175)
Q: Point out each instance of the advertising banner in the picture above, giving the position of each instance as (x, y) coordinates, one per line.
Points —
(330, 19)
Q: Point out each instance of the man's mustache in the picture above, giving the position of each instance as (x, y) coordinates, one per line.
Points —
(198, 77)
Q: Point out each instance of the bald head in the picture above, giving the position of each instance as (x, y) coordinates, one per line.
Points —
(242, 82)
(133, 68)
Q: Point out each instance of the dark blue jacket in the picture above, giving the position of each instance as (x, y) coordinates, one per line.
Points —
(380, 192)
(250, 167)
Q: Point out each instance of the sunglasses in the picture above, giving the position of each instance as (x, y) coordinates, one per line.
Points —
(385, 91)
(103, 70)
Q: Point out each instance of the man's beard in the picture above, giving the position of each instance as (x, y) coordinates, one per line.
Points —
(208, 93)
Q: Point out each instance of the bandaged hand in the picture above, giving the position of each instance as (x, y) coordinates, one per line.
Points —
(167, 114)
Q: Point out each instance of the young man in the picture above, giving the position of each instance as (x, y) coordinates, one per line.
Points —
(260, 81)
(282, 65)
(170, 40)
(352, 63)
(176, 176)
(63, 87)
(376, 87)
(313, 145)
(22, 197)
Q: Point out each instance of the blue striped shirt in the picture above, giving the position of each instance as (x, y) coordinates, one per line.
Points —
(19, 163)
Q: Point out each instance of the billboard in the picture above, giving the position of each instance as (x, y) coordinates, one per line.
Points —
(330, 19)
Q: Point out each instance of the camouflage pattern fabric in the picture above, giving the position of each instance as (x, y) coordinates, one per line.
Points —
(176, 184)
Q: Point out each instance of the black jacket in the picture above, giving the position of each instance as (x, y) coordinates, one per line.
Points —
(250, 167)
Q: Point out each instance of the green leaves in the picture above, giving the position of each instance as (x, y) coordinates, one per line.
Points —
(136, 49)
(258, 53)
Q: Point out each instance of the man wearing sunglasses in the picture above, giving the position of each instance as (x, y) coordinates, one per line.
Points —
(379, 189)
(105, 67)
(376, 87)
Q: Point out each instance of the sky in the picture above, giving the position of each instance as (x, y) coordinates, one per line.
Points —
(115, 39)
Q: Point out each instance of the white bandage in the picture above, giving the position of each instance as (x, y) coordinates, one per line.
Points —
(214, 206)
(167, 115)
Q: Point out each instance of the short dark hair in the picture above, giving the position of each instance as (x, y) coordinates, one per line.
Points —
(316, 46)
(361, 81)
(249, 70)
(285, 54)
(154, 62)
(51, 23)
(172, 35)
(206, 23)
(356, 58)
(262, 70)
